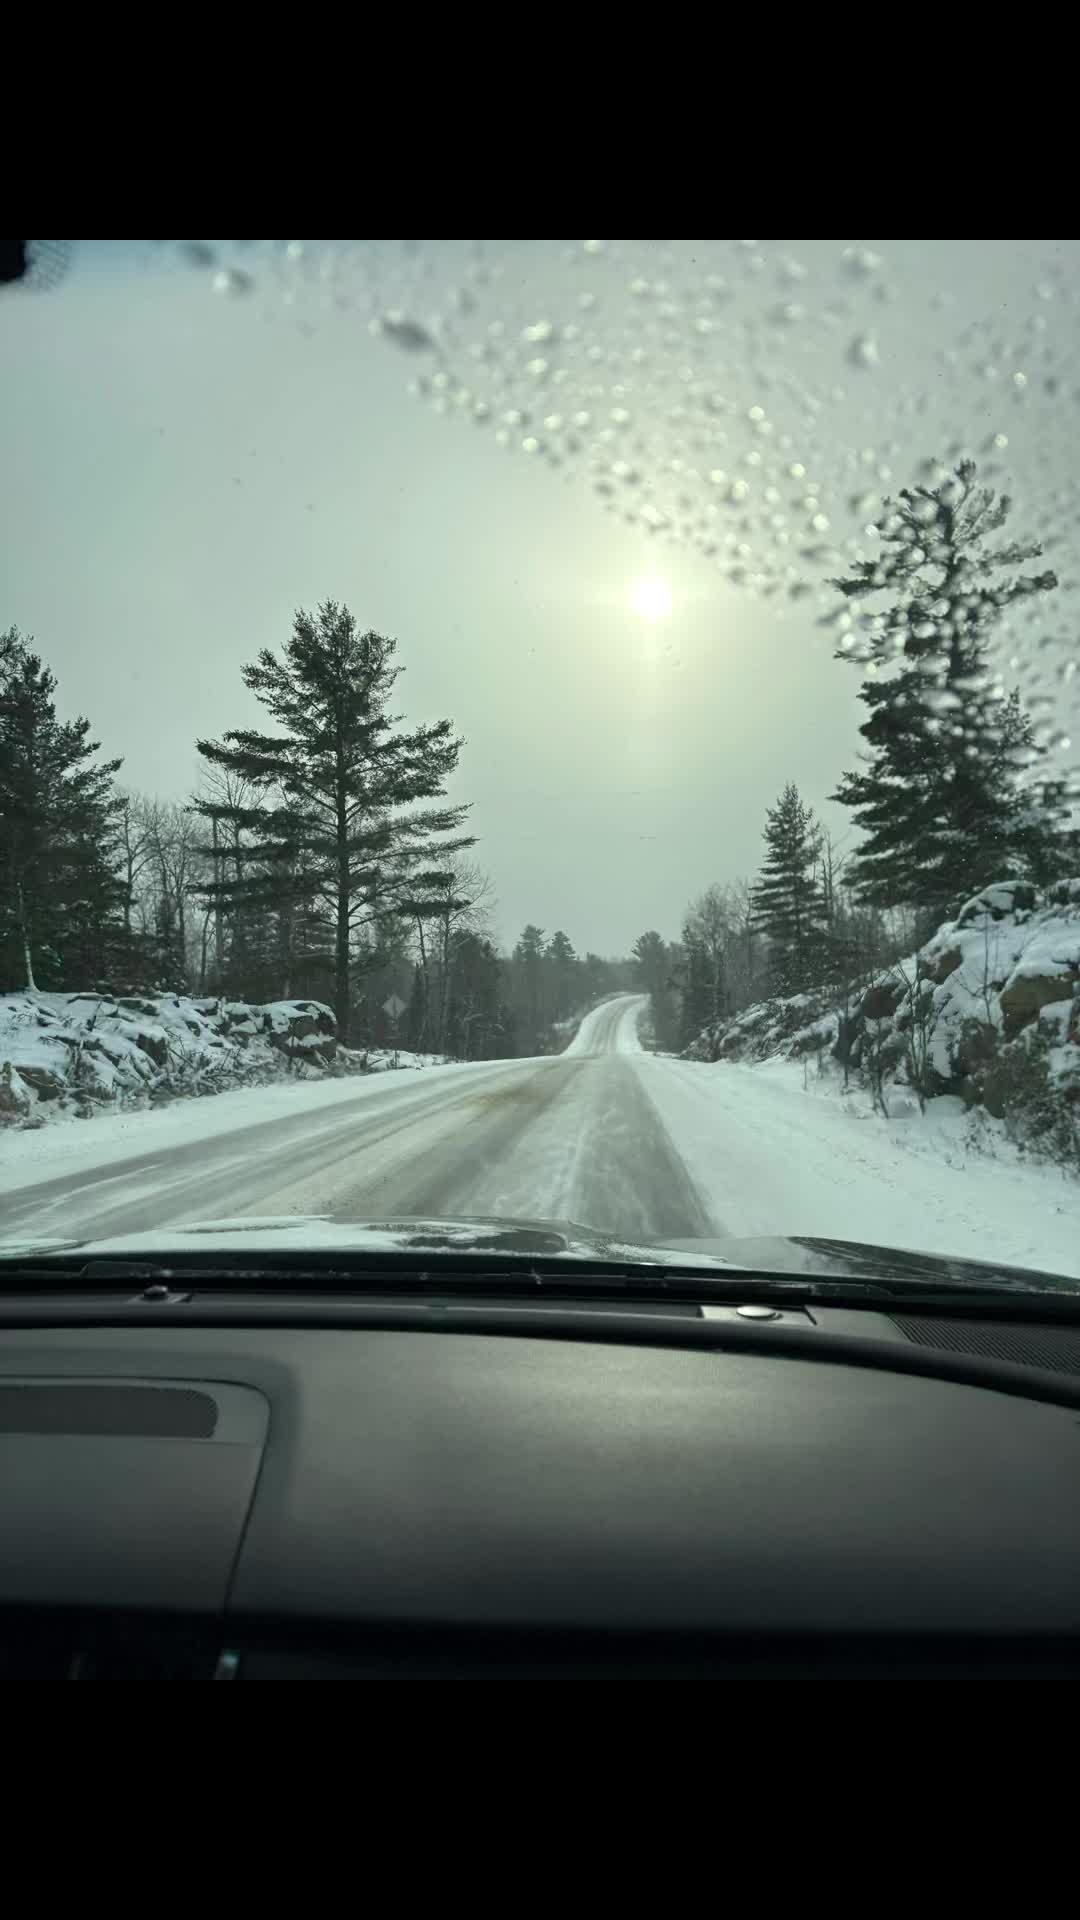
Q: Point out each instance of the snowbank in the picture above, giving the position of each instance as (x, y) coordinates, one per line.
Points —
(986, 1013)
(770, 1154)
(66, 1056)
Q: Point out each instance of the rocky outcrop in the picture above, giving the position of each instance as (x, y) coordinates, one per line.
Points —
(84, 1051)
(1005, 900)
(1025, 997)
(988, 1010)
(301, 1028)
(75, 1055)
(947, 963)
(882, 999)
(44, 1081)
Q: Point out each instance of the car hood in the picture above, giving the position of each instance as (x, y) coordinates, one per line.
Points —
(805, 1256)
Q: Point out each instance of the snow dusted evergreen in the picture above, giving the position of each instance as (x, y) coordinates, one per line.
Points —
(60, 893)
(332, 842)
(947, 796)
(788, 898)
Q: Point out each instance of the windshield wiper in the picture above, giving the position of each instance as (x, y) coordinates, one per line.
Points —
(401, 1274)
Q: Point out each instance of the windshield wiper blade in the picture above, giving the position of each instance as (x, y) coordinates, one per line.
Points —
(380, 1272)
(409, 1275)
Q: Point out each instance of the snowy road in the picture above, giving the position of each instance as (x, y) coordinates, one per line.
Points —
(570, 1138)
(604, 1135)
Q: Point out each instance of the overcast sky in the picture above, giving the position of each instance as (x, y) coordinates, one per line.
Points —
(184, 468)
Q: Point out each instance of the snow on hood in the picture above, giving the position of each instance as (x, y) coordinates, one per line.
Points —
(304, 1233)
(521, 1240)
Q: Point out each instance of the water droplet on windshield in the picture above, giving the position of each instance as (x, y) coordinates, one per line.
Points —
(405, 333)
(232, 280)
(861, 261)
(863, 351)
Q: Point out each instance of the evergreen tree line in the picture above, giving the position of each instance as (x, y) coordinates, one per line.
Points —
(955, 787)
(292, 870)
(319, 858)
(548, 986)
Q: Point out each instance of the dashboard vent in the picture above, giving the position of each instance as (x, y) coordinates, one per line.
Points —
(171, 1413)
(1056, 1348)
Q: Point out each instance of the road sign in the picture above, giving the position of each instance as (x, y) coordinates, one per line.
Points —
(394, 1007)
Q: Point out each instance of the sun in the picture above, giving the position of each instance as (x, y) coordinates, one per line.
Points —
(651, 597)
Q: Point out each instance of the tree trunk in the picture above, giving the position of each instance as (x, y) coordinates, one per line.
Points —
(31, 983)
(341, 943)
(181, 920)
(219, 921)
(425, 988)
(203, 944)
(444, 983)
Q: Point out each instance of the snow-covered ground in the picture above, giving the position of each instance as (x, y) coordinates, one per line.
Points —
(773, 1157)
(605, 1135)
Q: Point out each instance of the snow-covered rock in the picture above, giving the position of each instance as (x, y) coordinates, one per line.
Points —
(64, 1054)
(987, 1011)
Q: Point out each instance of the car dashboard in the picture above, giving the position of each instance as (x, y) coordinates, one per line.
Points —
(215, 1487)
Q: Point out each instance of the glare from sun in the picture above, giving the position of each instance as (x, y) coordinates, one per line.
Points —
(651, 597)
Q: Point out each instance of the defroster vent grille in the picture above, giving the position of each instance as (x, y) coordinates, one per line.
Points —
(1056, 1348)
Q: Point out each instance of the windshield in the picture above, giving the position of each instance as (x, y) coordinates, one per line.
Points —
(542, 731)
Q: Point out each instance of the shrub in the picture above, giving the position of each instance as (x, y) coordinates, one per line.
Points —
(1038, 1112)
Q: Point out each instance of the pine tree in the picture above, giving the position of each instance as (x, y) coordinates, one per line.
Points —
(342, 839)
(788, 902)
(657, 966)
(708, 935)
(474, 1011)
(562, 967)
(697, 994)
(529, 973)
(938, 798)
(61, 894)
(263, 891)
(1036, 807)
